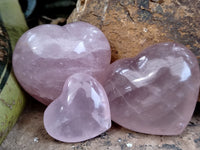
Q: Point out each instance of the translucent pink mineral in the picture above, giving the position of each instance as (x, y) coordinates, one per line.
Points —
(47, 55)
(155, 92)
(81, 111)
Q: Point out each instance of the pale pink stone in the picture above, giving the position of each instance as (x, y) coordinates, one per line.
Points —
(47, 55)
(155, 92)
(81, 111)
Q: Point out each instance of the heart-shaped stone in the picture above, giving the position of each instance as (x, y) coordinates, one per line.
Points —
(155, 92)
(47, 55)
(81, 111)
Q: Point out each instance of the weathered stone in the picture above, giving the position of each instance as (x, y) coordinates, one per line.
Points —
(132, 25)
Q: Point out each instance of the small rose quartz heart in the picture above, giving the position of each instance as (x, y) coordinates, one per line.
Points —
(45, 56)
(155, 92)
(81, 112)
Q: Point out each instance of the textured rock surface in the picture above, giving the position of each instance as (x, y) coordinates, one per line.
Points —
(29, 134)
(80, 113)
(155, 92)
(46, 55)
(132, 25)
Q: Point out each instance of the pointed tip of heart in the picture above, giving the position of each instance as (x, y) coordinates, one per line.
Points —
(80, 113)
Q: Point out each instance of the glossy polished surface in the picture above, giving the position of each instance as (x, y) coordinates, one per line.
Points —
(155, 92)
(47, 55)
(81, 112)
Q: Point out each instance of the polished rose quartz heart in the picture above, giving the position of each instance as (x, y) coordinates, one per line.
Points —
(46, 55)
(156, 91)
(81, 111)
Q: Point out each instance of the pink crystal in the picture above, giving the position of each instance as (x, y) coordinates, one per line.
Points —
(156, 91)
(47, 55)
(81, 111)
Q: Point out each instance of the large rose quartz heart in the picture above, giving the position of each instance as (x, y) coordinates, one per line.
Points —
(47, 55)
(81, 111)
(156, 91)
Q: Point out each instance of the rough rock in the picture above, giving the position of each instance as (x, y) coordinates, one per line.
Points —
(132, 25)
